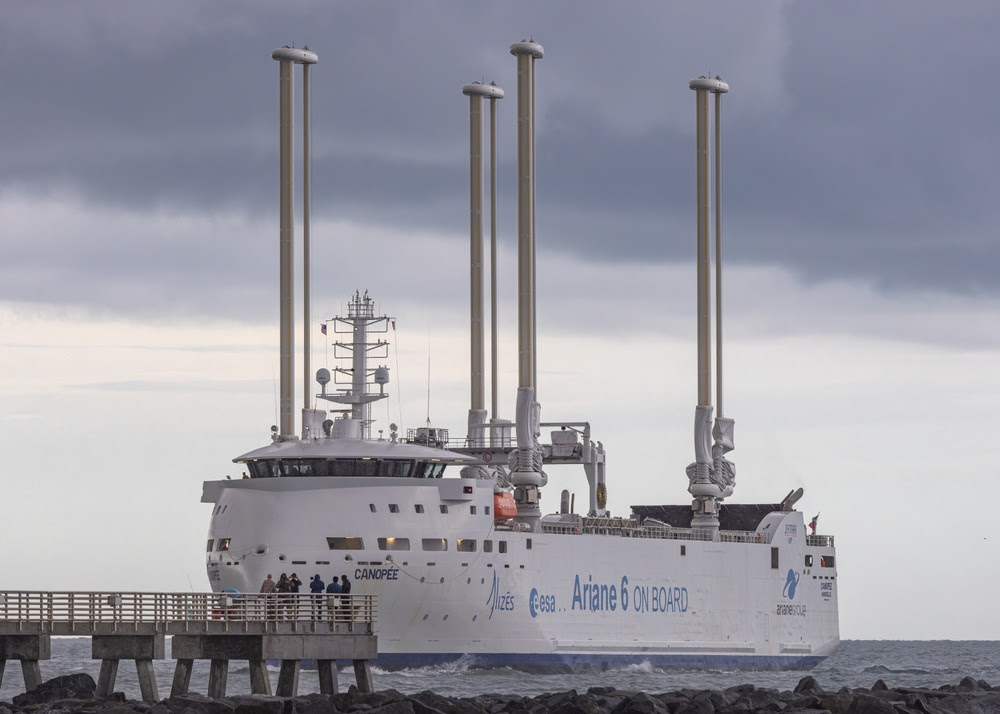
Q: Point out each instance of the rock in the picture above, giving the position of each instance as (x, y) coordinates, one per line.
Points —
(419, 707)
(70, 686)
(315, 704)
(867, 704)
(879, 686)
(808, 684)
(192, 701)
(837, 703)
(584, 704)
(261, 704)
(394, 707)
(642, 703)
(552, 701)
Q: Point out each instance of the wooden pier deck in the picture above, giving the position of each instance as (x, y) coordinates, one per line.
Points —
(207, 626)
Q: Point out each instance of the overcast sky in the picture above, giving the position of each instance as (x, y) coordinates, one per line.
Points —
(138, 279)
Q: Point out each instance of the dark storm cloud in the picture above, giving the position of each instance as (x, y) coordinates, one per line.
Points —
(859, 138)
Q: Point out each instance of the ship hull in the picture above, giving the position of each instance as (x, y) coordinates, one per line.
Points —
(534, 600)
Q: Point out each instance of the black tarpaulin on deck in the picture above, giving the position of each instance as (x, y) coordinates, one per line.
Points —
(732, 516)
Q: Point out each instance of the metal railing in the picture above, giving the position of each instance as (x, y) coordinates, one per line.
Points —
(823, 541)
(144, 607)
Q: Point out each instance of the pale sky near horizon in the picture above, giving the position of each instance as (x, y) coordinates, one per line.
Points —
(138, 278)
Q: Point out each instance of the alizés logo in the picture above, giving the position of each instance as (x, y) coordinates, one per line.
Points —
(498, 600)
(791, 582)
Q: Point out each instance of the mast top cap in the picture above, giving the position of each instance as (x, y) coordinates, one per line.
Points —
(491, 91)
(717, 86)
(528, 47)
(296, 55)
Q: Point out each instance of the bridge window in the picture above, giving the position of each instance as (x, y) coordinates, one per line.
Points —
(487, 546)
(472, 510)
(809, 561)
(393, 508)
(346, 543)
(393, 543)
(527, 544)
(429, 469)
(211, 544)
(418, 507)
(466, 545)
(503, 546)
(434, 543)
(444, 508)
(826, 561)
(395, 468)
(774, 558)
(224, 543)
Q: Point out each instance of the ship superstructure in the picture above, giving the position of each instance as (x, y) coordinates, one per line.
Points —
(450, 534)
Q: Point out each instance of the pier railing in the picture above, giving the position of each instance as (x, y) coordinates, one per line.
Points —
(180, 612)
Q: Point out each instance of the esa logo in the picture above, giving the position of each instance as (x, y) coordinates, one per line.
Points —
(540, 603)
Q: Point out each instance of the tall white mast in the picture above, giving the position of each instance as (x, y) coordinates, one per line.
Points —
(526, 461)
(711, 475)
(477, 403)
(286, 57)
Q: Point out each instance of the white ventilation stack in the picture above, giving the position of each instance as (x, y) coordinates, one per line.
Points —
(286, 57)
(526, 460)
(477, 407)
(712, 477)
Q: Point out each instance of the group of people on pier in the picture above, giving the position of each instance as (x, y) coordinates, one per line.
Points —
(338, 607)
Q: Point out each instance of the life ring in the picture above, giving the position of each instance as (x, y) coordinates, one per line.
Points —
(602, 495)
(487, 457)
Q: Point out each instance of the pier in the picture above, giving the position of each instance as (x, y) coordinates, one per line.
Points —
(218, 627)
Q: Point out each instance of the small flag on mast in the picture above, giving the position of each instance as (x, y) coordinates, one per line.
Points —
(322, 328)
(813, 522)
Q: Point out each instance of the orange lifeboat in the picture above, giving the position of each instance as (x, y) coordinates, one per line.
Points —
(503, 505)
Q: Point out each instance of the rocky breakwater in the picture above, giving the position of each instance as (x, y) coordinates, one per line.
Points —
(75, 693)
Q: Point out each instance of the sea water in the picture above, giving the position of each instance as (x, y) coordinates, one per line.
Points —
(857, 663)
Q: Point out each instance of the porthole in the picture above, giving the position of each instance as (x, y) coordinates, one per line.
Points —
(422, 579)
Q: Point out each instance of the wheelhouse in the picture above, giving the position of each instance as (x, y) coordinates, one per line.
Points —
(364, 467)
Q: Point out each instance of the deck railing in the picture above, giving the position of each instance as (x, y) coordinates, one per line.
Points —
(145, 607)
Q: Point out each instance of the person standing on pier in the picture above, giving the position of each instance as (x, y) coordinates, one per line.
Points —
(266, 588)
(333, 601)
(317, 586)
(283, 589)
(296, 584)
(345, 589)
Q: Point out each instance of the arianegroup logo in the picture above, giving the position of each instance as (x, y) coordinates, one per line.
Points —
(791, 582)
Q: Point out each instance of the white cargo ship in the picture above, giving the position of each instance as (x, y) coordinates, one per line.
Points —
(450, 536)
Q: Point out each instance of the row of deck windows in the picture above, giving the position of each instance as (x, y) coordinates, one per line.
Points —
(395, 468)
(465, 545)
